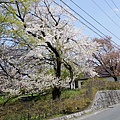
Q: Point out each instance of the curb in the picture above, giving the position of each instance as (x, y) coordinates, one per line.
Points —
(74, 115)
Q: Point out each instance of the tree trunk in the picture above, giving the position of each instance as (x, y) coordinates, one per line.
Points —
(115, 78)
(69, 67)
(56, 92)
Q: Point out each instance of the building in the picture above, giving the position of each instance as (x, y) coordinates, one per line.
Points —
(79, 82)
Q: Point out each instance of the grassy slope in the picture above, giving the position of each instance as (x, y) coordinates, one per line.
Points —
(43, 107)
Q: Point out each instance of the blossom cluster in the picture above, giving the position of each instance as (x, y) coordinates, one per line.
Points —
(34, 84)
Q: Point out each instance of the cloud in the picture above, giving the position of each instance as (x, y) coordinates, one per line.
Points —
(116, 10)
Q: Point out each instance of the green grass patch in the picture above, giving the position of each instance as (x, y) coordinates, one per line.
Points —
(2, 99)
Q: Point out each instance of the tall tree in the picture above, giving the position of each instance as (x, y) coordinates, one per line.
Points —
(107, 61)
(47, 33)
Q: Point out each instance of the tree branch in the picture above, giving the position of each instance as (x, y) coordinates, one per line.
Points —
(20, 16)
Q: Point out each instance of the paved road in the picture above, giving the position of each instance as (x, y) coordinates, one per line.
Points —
(111, 113)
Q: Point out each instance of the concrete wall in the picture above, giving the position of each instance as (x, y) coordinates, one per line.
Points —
(111, 78)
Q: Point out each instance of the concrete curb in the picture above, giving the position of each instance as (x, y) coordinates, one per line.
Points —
(74, 115)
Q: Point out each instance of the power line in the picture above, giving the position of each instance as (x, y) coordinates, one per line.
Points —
(83, 18)
(105, 13)
(115, 4)
(86, 20)
(83, 22)
(79, 20)
(95, 20)
(112, 9)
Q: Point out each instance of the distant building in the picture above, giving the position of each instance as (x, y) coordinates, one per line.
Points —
(79, 82)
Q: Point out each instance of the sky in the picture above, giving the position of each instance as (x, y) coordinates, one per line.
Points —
(105, 12)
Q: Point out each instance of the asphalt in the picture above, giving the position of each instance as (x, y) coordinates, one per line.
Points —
(110, 113)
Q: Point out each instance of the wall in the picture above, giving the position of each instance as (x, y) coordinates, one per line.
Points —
(102, 99)
(106, 98)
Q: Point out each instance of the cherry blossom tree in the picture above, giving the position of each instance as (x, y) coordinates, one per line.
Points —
(52, 41)
(107, 60)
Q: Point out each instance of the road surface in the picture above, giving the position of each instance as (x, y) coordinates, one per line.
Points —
(111, 113)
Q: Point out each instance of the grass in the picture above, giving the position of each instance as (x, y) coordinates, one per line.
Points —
(2, 99)
(43, 107)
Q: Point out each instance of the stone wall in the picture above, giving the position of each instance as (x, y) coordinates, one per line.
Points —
(106, 98)
(103, 99)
